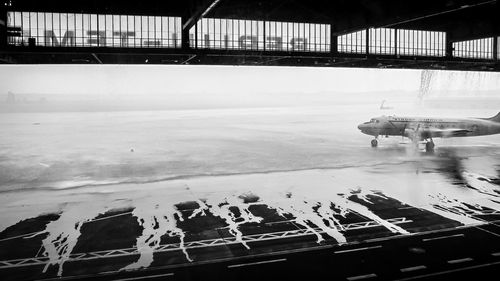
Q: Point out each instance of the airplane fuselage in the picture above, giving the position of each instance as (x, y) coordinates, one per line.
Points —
(424, 128)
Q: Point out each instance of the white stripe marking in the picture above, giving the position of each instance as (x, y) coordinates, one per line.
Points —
(460, 260)
(451, 271)
(359, 277)
(493, 233)
(497, 254)
(146, 277)
(255, 263)
(443, 237)
(357, 249)
(413, 268)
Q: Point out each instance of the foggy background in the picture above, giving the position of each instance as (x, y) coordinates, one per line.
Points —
(40, 88)
(76, 125)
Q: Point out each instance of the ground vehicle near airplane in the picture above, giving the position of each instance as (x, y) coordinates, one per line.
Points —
(424, 128)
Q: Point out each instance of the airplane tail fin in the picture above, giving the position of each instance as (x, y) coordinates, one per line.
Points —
(495, 118)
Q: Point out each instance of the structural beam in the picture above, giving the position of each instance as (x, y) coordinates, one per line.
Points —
(463, 7)
(97, 58)
(187, 23)
(199, 14)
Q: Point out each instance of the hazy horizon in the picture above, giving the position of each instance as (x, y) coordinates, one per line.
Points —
(45, 88)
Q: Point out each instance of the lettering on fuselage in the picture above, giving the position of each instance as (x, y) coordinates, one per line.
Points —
(416, 120)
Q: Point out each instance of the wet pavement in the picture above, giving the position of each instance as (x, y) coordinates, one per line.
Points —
(180, 224)
(271, 193)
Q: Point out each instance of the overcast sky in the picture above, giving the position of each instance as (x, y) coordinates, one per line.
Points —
(142, 79)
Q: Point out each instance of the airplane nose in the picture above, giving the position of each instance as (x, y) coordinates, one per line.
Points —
(360, 127)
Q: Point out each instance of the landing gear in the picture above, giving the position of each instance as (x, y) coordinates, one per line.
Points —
(429, 146)
(374, 142)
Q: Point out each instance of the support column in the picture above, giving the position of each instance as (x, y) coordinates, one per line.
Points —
(448, 46)
(185, 44)
(334, 42)
(495, 47)
(367, 43)
(195, 37)
(396, 42)
(264, 35)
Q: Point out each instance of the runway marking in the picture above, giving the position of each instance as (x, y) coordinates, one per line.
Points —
(109, 217)
(19, 236)
(443, 237)
(359, 277)
(460, 260)
(146, 277)
(413, 268)
(451, 271)
(357, 249)
(490, 232)
(255, 263)
(37, 232)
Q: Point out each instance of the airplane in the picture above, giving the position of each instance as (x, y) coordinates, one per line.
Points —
(423, 128)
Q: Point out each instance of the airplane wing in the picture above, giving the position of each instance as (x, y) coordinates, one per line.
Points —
(444, 133)
(429, 132)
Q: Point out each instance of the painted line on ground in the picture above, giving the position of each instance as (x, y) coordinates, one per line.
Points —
(450, 271)
(360, 277)
(460, 260)
(146, 277)
(416, 234)
(413, 268)
(357, 249)
(485, 230)
(255, 263)
(443, 237)
(497, 254)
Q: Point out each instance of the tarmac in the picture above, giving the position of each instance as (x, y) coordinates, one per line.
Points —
(434, 247)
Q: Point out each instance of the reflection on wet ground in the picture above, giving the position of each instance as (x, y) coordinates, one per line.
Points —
(206, 218)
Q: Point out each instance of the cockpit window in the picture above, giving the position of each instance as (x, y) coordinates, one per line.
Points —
(374, 121)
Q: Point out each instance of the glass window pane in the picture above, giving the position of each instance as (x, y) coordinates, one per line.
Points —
(121, 33)
(168, 33)
(151, 32)
(10, 19)
(33, 26)
(56, 28)
(130, 31)
(116, 27)
(158, 31)
(69, 37)
(102, 36)
(138, 35)
(145, 28)
(26, 24)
